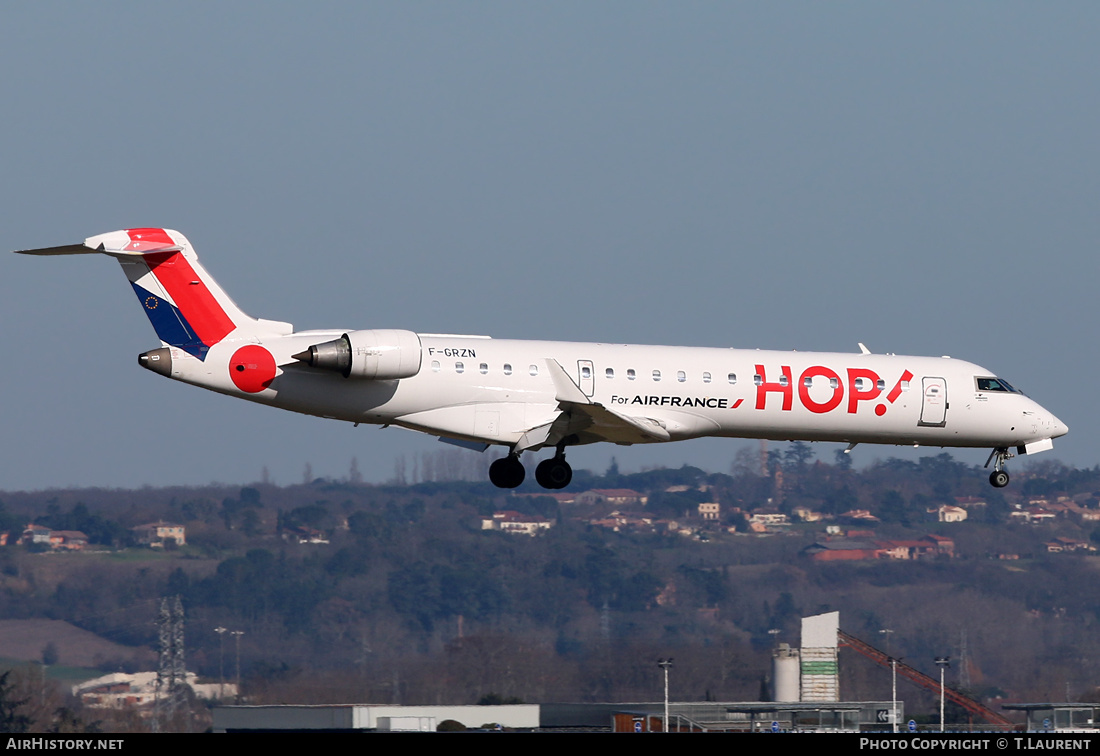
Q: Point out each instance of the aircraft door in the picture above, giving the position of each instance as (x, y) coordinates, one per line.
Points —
(934, 404)
(587, 375)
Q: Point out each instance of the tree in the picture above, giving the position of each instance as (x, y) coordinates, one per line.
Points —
(893, 508)
(798, 455)
(843, 459)
(10, 718)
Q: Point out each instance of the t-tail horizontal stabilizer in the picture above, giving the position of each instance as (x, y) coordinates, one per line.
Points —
(185, 305)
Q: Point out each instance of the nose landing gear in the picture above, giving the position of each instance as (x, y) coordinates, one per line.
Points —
(999, 477)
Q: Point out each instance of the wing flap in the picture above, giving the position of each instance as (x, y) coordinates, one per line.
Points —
(535, 437)
(619, 428)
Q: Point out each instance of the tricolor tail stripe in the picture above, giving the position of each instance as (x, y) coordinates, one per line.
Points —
(169, 323)
(177, 299)
(204, 316)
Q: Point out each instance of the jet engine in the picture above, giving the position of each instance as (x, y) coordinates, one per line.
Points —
(374, 355)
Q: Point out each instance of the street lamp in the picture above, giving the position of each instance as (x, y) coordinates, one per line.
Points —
(237, 636)
(943, 662)
(665, 664)
(221, 631)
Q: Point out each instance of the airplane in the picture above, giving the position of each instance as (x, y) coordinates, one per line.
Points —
(476, 391)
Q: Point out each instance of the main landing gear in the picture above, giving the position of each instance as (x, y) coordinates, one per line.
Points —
(553, 473)
(507, 472)
(999, 477)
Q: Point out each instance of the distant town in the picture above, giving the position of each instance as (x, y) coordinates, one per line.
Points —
(129, 610)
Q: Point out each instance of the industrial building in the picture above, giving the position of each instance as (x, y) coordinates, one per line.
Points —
(806, 697)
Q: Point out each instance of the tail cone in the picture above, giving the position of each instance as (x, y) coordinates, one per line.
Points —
(157, 360)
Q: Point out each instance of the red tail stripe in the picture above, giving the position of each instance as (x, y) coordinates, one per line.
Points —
(149, 236)
(206, 317)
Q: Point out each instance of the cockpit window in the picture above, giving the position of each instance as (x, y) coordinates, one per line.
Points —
(995, 384)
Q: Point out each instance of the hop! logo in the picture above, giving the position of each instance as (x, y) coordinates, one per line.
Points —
(862, 385)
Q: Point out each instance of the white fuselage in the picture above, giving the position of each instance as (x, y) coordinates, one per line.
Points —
(494, 391)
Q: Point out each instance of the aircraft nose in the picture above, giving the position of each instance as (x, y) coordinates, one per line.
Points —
(1057, 427)
(1049, 425)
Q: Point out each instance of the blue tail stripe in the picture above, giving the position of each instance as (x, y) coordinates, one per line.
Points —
(169, 323)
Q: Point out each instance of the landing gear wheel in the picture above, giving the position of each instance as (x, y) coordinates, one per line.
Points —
(999, 478)
(554, 473)
(507, 472)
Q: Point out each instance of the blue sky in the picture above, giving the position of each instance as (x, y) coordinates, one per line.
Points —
(918, 177)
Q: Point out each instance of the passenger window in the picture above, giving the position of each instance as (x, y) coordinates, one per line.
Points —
(782, 380)
(758, 380)
(681, 376)
(435, 365)
(507, 369)
(586, 372)
(905, 385)
(706, 377)
(609, 373)
(808, 381)
(484, 368)
(534, 370)
(880, 385)
(630, 374)
(834, 383)
(459, 367)
(732, 378)
(656, 375)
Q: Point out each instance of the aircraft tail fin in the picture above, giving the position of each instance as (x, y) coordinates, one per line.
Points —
(186, 306)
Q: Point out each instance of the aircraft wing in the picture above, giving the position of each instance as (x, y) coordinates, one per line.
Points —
(580, 414)
(619, 428)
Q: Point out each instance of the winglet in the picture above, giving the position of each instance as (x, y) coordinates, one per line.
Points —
(567, 390)
(863, 349)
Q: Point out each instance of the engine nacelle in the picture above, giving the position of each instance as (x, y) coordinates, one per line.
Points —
(374, 355)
